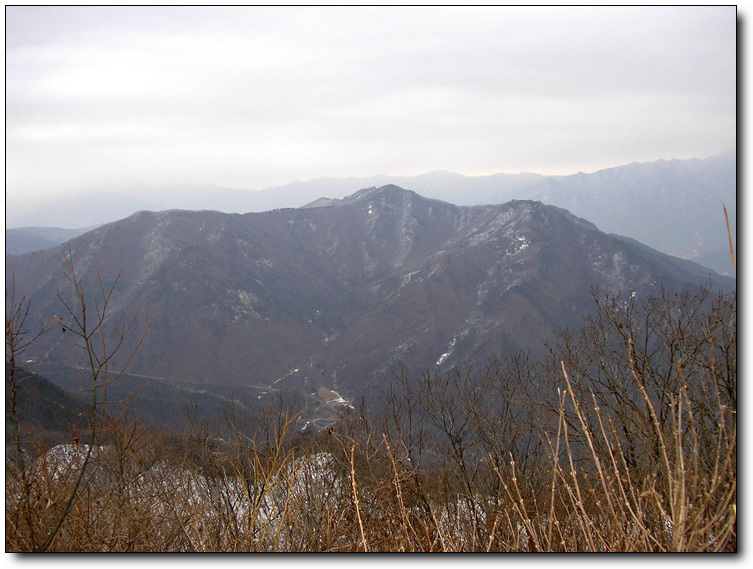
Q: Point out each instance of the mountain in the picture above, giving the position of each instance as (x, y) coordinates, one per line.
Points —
(42, 406)
(674, 206)
(85, 209)
(97, 208)
(326, 301)
(27, 239)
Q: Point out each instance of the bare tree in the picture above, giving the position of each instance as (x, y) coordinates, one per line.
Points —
(87, 325)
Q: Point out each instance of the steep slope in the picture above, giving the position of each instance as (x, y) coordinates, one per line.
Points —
(336, 295)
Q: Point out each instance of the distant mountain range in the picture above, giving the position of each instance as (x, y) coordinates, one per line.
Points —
(27, 239)
(674, 206)
(326, 301)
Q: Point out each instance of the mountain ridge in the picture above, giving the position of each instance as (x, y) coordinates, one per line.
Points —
(671, 205)
(337, 297)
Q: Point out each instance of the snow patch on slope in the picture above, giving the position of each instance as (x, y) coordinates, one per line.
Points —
(156, 250)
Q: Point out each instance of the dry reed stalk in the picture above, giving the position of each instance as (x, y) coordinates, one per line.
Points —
(729, 235)
(586, 518)
(399, 495)
(355, 496)
(555, 463)
(622, 477)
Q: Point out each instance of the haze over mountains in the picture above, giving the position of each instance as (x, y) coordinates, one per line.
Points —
(27, 239)
(674, 206)
(330, 299)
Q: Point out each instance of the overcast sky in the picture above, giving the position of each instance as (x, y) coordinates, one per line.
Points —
(107, 98)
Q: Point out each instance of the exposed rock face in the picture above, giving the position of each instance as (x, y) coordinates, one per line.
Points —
(337, 294)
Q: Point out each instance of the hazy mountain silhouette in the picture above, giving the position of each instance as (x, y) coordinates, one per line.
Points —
(674, 206)
(27, 239)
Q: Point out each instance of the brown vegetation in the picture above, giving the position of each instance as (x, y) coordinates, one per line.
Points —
(624, 439)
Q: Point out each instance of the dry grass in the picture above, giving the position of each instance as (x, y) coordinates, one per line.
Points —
(324, 498)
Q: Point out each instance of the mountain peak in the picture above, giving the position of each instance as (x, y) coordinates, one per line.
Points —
(388, 192)
(335, 297)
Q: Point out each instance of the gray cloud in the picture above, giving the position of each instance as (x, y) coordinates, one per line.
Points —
(252, 97)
